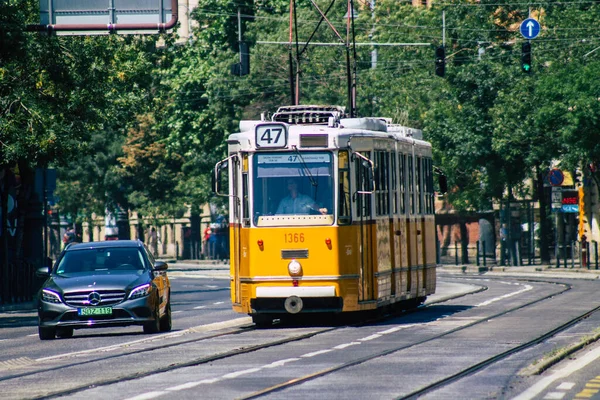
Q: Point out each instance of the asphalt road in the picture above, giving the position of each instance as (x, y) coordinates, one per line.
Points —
(215, 353)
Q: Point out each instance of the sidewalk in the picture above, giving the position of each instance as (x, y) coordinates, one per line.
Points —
(526, 270)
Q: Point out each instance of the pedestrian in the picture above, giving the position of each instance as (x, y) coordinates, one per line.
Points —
(154, 242)
(205, 239)
(70, 236)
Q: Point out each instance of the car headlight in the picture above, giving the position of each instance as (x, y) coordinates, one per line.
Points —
(50, 297)
(140, 291)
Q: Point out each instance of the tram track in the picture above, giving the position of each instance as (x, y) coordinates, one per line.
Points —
(200, 360)
(236, 352)
(170, 367)
(448, 379)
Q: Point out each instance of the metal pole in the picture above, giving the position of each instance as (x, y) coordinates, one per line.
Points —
(477, 254)
(484, 254)
(456, 251)
(587, 254)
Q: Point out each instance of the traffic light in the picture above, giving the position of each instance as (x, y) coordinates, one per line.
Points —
(243, 67)
(440, 61)
(526, 57)
(245, 58)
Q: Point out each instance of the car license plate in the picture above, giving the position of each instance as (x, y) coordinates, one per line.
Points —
(94, 311)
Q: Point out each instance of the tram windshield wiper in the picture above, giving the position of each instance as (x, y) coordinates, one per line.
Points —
(313, 181)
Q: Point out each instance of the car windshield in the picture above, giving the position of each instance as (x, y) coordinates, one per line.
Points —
(104, 259)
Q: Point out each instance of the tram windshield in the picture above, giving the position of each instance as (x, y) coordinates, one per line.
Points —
(293, 188)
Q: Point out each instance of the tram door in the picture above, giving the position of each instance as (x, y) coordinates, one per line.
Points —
(364, 185)
(236, 201)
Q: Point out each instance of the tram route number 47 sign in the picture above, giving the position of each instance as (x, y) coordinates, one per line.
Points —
(271, 135)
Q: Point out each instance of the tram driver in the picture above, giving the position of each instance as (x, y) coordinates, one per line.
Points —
(297, 203)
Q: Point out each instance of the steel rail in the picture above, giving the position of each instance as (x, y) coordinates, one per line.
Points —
(449, 379)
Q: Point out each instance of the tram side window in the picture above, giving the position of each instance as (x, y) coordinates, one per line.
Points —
(344, 188)
(402, 179)
(381, 183)
(394, 184)
(419, 186)
(411, 185)
(428, 181)
(363, 201)
(246, 209)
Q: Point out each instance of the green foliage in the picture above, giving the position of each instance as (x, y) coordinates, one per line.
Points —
(131, 123)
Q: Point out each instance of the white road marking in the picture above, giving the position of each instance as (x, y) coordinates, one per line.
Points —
(554, 396)
(392, 330)
(375, 336)
(201, 328)
(565, 386)
(239, 373)
(219, 302)
(315, 353)
(281, 363)
(490, 301)
(199, 307)
(343, 346)
(567, 370)
(275, 364)
(147, 396)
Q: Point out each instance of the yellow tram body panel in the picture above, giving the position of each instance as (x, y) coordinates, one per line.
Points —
(330, 257)
(330, 261)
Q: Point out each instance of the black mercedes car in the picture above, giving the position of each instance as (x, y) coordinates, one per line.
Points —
(103, 284)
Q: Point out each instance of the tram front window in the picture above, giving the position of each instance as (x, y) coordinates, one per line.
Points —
(292, 184)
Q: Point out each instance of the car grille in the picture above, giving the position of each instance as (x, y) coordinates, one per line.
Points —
(107, 297)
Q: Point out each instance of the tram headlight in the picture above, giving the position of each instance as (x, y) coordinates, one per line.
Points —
(295, 268)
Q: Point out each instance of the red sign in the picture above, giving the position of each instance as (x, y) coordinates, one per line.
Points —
(571, 197)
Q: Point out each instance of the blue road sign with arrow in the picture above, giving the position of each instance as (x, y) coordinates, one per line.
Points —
(530, 28)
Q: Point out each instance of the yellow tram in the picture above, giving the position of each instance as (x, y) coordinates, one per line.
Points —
(328, 214)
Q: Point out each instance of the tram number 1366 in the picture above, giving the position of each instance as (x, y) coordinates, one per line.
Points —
(271, 135)
(294, 237)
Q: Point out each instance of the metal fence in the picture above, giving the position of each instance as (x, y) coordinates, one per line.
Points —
(571, 255)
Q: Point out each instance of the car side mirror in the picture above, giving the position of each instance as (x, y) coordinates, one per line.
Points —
(43, 272)
(160, 266)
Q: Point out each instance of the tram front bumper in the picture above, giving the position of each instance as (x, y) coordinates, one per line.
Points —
(293, 300)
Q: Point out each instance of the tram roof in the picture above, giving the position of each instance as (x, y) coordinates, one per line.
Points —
(324, 126)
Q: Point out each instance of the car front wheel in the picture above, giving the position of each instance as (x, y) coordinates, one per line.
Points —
(46, 333)
(154, 325)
